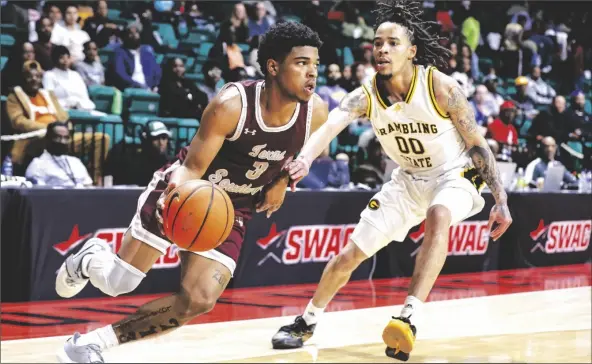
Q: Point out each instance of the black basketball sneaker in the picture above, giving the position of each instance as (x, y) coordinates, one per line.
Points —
(293, 336)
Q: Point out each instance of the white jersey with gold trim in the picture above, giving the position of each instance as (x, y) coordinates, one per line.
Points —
(416, 133)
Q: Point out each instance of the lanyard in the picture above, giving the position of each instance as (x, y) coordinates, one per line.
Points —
(67, 170)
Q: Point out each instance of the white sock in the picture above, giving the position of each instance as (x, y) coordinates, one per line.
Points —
(312, 313)
(104, 337)
(412, 309)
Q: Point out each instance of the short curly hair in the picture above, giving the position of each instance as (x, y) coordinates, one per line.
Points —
(281, 38)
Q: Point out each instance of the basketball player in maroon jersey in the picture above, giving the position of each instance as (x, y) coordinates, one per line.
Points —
(248, 132)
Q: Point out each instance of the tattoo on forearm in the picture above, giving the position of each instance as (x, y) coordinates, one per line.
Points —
(354, 103)
(220, 278)
(484, 162)
(463, 116)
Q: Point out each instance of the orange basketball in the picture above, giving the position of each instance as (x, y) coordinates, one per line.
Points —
(197, 216)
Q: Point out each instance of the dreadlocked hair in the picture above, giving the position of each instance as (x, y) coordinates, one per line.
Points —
(408, 13)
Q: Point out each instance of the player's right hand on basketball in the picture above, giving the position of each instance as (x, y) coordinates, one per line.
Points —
(297, 169)
(160, 206)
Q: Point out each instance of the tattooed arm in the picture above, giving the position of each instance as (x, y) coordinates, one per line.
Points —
(353, 106)
(452, 100)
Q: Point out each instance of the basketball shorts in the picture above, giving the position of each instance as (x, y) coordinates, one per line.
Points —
(144, 226)
(403, 202)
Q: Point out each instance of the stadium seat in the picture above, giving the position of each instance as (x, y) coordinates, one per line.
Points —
(167, 33)
(525, 127)
(348, 56)
(105, 54)
(321, 81)
(322, 68)
(103, 97)
(3, 61)
(113, 14)
(204, 49)
(112, 125)
(7, 40)
(140, 101)
(293, 18)
(195, 77)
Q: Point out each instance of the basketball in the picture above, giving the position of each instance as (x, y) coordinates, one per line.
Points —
(197, 216)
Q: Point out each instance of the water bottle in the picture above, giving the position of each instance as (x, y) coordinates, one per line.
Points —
(7, 166)
(520, 182)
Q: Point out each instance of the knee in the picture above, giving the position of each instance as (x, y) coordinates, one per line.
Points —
(196, 302)
(438, 217)
(348, 259)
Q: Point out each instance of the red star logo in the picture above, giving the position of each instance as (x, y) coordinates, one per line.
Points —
(540, 230)
(270, 238)
(418, 235)
(73, 240)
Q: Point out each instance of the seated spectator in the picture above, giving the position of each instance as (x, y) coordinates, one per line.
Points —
(239, 23)
(195, 19)
(179, 97)
(212, 76)
(491, 83)
(502, 129)
(12, 72)
(538, 167)
(470, 62)
(130, 166)
(55, 167)
(578, 105)
(371, 171)
(326, 172)
(134, 65)
(346, 81)
(260, 23)
(556, 123)
(74, 37)
(332, 93)
(484, 105)
(525, 106)
(43, 45)
(30, 108)
(91, 69)
(539, 92)
(98, 26)
(227, 52)
(67, 85)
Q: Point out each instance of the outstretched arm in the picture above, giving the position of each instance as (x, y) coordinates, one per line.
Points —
(353, 106)
(451, 98)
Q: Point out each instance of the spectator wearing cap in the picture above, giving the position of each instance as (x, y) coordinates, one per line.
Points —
(525, 107)
(502, 129)
(29, 108)
(130, 165)
(538, 91)
(133, 64)
(55, 167)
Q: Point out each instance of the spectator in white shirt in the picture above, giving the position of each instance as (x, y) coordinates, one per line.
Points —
(74, 37)
(538, 90)
(55, 167)
(67, 85)
(91, 69)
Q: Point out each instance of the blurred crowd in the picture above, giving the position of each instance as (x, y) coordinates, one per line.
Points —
(524, 66)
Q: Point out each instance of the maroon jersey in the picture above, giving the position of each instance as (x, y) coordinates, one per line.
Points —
(255, 154)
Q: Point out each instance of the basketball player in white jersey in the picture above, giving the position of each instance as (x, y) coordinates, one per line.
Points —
(425, 124)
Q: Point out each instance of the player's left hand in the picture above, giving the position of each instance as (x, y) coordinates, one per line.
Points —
(273, 197)
(500, 214)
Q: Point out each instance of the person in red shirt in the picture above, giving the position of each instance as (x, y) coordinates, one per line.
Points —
(502, 129)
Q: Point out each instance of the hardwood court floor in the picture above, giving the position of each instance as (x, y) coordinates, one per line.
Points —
(550, 324)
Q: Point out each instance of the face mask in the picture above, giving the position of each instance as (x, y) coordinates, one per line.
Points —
(57, 148)
(44, 37)
(331, 81)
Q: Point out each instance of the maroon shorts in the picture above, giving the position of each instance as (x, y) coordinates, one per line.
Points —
(144, 226)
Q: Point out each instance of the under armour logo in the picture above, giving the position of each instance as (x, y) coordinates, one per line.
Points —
(239, 220)
(252, 132)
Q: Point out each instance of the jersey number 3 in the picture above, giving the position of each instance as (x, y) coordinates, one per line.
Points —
(260, 168)
(409, 145)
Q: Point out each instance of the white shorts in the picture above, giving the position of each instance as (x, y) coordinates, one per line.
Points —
(143, 226)
(403, 202)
